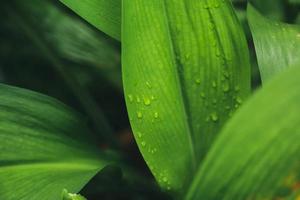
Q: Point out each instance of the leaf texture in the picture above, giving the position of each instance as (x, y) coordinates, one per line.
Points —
(45, 147)
(277, 44)
(256, 156)
(185, 70)
(103, 14)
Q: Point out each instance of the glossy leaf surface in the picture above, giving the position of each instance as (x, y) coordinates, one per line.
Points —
(103, 14)
(277, 44)
(256, 155)
(185, 70)
(45, 147)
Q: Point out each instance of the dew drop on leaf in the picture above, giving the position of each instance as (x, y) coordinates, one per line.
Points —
(156, 115)
(202, 94)
(139, 115)
(139, 134)
(198, 81)
(226, 87)
(214, 84)
(214, 117)
(130, 97)
(165, 179)
(147, 101)
(143, 143)
(239, 100)
(148, 85)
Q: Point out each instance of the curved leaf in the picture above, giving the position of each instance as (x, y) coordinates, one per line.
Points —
(273, 9)
(256, 155)
(185, 70)
(34, 30)
(103, 14)
(277, 44)
(45, 147)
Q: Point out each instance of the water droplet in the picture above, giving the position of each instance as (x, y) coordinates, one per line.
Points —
(227, 107)
(198, 81)
(147, 101)
(139, 115)
(156, 115)
(226, 74)
(153, 150)
(143, 143)
(202, 94)
(214, 101)
(130, 97)
(214, 84)
(226, 87)
(237, 88)
(165, 179)
(187, 56)
(139, 134)
(214, 116)
(239, 100)
(148, 85)
(138, 99)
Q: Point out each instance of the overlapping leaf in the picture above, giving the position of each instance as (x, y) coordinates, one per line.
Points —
(45, 147)
(277, 44)
(103, 14)
(257, 153)
(185, 70)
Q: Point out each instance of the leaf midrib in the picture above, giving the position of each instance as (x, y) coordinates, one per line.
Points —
(180, 86)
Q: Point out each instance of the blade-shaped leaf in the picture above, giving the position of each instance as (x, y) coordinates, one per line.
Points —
(34, 28)
(257, 153)
(273, 9)
(185, 70)
(277, 44)
(103, 14)
(45, 147)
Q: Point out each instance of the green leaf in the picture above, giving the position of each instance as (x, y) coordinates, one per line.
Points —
(256, 156)
(34, 30)
(45, 147)
(185, 70)
(70, 196)
(69, 38)
(273, 9)
(103, 14)
(277, 44)
(297, 2)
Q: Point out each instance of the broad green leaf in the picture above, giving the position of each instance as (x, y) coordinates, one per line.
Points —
(273, 9)
(256, 156)
(185, 70)
(103, 14)
(45, 147)
(277, 44)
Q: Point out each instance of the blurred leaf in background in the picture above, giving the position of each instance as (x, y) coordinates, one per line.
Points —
(46, 48)
(90, 58)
